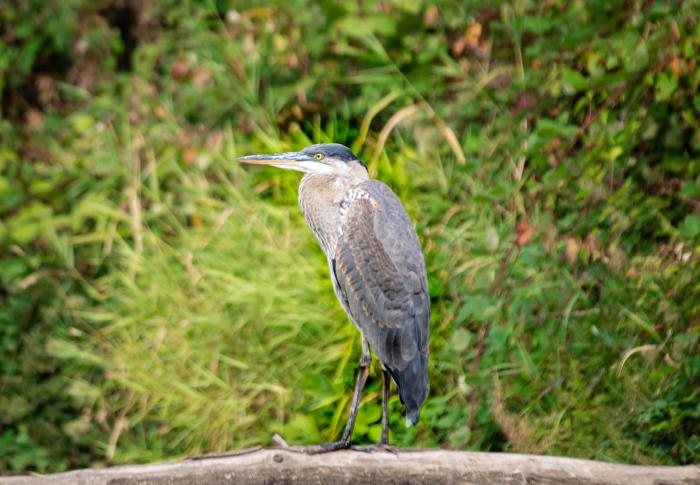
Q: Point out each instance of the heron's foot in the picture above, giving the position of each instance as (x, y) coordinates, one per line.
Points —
(312, 449)
(327, 447)
(378, 447)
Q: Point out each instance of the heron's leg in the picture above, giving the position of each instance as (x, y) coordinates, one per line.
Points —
(385, 408)
(382, 445)
(365, 360)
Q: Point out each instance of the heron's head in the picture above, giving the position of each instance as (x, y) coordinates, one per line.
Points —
(328, 158)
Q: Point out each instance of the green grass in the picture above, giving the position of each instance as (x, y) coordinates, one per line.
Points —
(219, 323)
(158, 300)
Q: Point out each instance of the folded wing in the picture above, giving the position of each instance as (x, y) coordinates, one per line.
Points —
(380, 270)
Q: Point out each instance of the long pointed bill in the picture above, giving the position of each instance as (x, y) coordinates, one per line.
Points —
(289, 160)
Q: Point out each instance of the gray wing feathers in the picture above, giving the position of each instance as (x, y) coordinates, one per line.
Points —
(380, 270)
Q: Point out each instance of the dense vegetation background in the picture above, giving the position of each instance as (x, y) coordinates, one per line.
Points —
(158, 300)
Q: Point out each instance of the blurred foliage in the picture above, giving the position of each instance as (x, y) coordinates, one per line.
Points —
(156, 300)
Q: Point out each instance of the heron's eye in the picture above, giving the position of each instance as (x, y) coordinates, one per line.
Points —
(318, 156)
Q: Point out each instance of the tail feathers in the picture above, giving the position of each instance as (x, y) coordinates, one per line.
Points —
(413, 386)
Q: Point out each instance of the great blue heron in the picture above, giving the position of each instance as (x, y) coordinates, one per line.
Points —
(377, 269)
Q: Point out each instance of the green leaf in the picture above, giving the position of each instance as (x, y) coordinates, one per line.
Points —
(690, 227)
(459, 342)
(548, 128)
(690, 189)
(574, 80)
(666, 85)
(638, 60)
(491, 239)
(374, 433)
(614, 153)
(459, 437)
(361, 26)
(302, 426)
(479, 307)
(536, 24)
(411, 6)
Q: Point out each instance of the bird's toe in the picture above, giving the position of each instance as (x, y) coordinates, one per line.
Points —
(378, 447)
(327, 447)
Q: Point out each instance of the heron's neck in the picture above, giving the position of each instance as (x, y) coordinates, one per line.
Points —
(319, 199)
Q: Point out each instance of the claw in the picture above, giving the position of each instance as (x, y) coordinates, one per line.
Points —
(376, 447)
